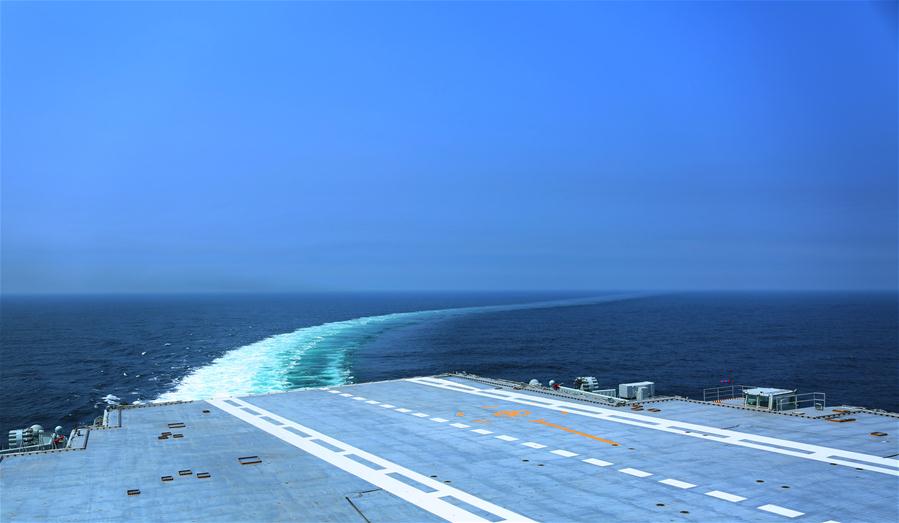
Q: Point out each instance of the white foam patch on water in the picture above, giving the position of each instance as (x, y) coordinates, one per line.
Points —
(315, 356)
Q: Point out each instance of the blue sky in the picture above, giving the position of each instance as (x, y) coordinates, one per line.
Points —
(290, 146)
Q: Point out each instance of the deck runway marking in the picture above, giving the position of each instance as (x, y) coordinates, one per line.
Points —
(358, 398)
(635, 472)
(575, 432)
(346, 395)
(677, 483)
(403, 410)
(387, 405)
(725, 496)
(774, 509)
(733, 498)
(744, 439)
(334, 391)
(419, 414)
(372, 402)
(379, 478)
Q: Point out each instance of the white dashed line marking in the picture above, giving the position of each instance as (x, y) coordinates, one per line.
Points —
(774, 509)
(459, 425)
(334, 391)
(733, 498)
(482, 431)
(403, 410)
(563, 453)
(346, 395)
(372, 402)
(635, 472)
(439, 420)
(358, 398)
(506, 438)
(419, 414)
(677, 483)
(597, 462)
(534, 445)
(387, 405)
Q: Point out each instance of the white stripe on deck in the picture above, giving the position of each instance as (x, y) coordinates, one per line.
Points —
(597, 462)
(387, 405)
(419, 414)
(774, 509)
(377, 477)
(481, 431)
(459, 425)
(635, 472)
(372, 402)
(439, 420)
(563, 453)
(733, 498)
(334, 391)
(731, 437)
(403, 410)
(506, 438)
(677, 483)
(534, 445)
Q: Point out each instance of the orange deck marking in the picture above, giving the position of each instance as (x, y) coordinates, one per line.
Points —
(572, 431)
(460, 414)
(479, 420)
(512, 413)
(489, 407)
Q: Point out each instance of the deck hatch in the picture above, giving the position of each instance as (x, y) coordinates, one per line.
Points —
(177, 425)
(249, 460)
(134, 492)
(203, 475)
(186, 472)
(166, 478)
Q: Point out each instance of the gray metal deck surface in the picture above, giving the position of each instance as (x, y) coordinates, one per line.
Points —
(453, 448)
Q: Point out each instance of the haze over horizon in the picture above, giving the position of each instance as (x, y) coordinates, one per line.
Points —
(264, 147)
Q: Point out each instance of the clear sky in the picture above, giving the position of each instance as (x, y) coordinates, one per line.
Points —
(296, 146)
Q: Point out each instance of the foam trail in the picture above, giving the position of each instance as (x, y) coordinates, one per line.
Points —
(317, 356)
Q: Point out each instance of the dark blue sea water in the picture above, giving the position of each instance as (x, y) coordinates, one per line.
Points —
(65, 358)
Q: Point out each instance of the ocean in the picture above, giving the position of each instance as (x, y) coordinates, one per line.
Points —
(65, 358)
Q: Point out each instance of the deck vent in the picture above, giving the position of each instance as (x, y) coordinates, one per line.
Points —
(203, 475)
(177, 435)
(177, 425)
(879, 434)
(134, 492)
(187, 472)
(167, 478)
(249, 460)
(205, 411)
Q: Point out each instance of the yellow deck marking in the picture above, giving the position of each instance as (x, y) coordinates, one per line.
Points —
(489, 407)
(572, 431)
(512, 413)
(460, 414)
(479, 420)
(564, 411)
